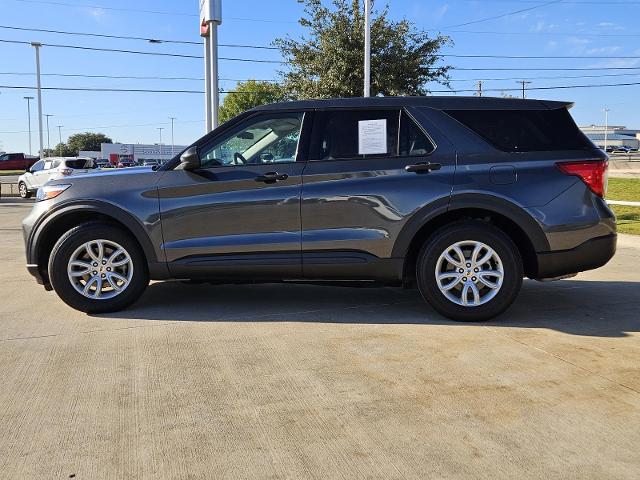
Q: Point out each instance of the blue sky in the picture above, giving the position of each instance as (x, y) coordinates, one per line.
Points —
(582, 28)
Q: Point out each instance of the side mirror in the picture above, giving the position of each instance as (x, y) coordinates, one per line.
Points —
(189, 160)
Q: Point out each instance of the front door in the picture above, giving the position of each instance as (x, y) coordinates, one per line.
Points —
(240, 213)
(369, 172)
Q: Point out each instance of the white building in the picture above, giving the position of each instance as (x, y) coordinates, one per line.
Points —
(617, 136)
(138, 153)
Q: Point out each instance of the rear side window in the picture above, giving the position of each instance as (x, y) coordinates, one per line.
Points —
(525, 130)
(80, 163)
(350, 134)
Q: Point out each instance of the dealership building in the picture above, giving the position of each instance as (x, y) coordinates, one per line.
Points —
(617, 136)
(136, 152)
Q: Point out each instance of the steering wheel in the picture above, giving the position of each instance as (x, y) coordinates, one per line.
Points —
(238, 159)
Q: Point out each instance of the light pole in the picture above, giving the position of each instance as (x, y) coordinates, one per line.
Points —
(160, 130)
(210, 18)
(606, 127)
(172, 142)
(60, 142)
(28, 99)
(367, 48)
(37, 46)
(48, 139)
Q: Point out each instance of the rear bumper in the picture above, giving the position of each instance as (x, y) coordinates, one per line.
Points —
(591, 254)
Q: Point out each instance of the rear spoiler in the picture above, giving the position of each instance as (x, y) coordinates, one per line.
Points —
(554, 105)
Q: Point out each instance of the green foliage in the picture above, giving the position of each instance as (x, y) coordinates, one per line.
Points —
(77, 142)
(329, 62)
(247, 95)
(86, 141)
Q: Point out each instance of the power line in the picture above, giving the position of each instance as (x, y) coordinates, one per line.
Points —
(144, 90)
(127, 77)
(135, 77)
(138, 52)
(582, 34)
(561, 69)
(503, 15)
(137, 10)
(443, 55)
(122, 37)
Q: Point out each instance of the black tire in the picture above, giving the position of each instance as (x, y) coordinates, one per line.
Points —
(477, 231)
(76, 237)
(23, 190)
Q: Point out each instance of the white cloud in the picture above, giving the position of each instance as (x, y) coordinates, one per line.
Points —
(96, 13)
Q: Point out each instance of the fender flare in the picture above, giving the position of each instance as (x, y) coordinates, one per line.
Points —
(515, 213)
(101, 207)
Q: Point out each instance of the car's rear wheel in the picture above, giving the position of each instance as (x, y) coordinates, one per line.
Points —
(97, 267)
(23, 190)
(469, 271)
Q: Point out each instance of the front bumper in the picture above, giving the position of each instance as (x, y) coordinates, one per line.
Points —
(591, 254)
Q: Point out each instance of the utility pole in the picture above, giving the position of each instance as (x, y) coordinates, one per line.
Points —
(367, 48)
(48, 139)
(28, 99)
(210, 19)
(160, 130)
(37, 46)
(479, 88)
(524, 84)
(60, 142)
(606, 127)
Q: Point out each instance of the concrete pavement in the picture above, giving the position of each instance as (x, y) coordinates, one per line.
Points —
(294, 381)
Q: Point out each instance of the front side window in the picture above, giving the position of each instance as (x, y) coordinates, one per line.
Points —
(257, 141)
(350, 134)
(4, 157)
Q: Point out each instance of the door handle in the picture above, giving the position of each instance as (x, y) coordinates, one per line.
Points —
(271, 177)
(423, 167)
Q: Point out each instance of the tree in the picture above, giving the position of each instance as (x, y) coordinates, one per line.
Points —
(329, 63)
(84, 141)
(249, 94)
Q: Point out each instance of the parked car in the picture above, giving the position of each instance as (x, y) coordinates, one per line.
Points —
(150, 163)
(103, 163)
(461, 197)
(621, 149)
(51, 167)
(125, 164)
(16, 161)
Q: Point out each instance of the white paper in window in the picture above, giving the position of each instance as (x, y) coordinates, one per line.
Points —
(372, 137)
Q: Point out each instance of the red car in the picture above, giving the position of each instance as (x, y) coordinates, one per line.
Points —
(16, 161)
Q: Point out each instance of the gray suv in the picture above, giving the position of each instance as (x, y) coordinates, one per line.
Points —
(461, 197)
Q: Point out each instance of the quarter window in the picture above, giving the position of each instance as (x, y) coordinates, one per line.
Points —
(36, 167)
(260, 140)
(413, 141)
(349, 134)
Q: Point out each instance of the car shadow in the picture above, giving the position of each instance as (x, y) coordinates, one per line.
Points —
(578, 307)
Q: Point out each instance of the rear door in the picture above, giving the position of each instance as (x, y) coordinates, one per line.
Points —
(43, 176)
(369, 172)
(239, 214)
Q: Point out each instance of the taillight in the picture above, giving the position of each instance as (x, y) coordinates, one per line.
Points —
(593, 173)
(66, 171)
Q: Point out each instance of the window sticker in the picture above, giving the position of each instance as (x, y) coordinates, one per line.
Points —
(372, 137)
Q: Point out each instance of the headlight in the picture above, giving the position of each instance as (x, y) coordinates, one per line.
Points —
(50, 191)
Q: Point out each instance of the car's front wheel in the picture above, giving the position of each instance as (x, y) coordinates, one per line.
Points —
(97, 267)
(469, 271)
(23, 190)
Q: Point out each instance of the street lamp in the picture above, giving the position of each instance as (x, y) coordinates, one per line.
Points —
(160, 130)
(606, 127)
(48, 139)
(172, 142)
(60, 138)
(367, 48)
(28, 99)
